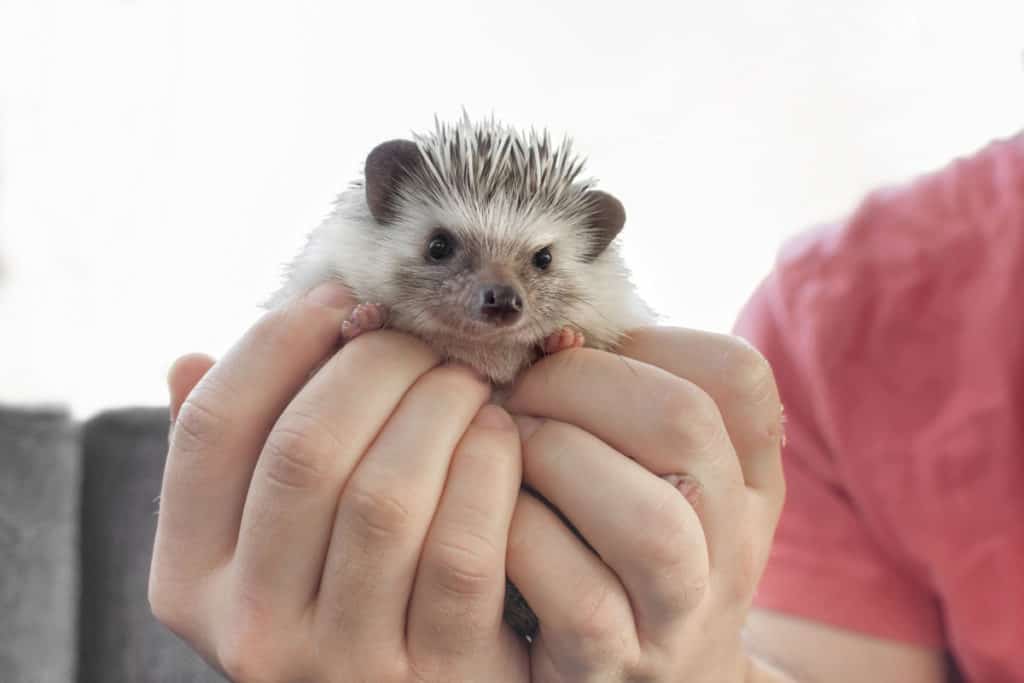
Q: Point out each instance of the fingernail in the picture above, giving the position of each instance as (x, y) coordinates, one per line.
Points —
(493, 417)
(331, 294)
(527, 425)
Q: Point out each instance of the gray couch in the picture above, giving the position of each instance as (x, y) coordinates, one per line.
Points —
(77, 517)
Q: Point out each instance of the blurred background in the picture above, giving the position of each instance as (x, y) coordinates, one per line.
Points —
(159, 160)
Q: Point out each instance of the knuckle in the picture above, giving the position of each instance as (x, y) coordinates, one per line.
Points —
(198, 424)
(245, 663)
(169, 609)
(650, 667)
(666, 532)
(692, 423)
(377, 514)
(748, 374)
(468, 568)
(296, 453)
(249, 653)
(253, 644)
(748, 380)
(670, 549)
(597, 625)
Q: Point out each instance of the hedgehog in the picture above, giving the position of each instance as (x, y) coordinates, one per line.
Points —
(486, 243)
(480, 240)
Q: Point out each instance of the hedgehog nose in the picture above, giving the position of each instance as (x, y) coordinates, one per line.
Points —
(500, 304)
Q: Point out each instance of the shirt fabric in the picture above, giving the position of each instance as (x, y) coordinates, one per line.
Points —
(897, 340)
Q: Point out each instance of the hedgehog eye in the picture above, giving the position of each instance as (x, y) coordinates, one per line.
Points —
(441, 246)
(542, 259)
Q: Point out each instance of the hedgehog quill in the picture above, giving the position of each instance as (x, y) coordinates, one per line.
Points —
(485, 242)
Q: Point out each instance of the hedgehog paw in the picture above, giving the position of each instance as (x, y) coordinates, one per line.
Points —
(686, 485)
(566, 338)
(364, 318)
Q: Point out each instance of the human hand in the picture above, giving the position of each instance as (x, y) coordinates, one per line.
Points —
(315, 531)
(666, 594)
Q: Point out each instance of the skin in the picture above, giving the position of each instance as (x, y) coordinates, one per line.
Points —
(816, 653)
(307, 536)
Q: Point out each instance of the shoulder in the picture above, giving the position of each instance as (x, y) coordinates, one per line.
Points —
(881, 328)
(910, 266)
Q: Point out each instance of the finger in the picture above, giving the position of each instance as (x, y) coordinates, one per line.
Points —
(387, 505)
(459, 588)
(183, 376)
(584, 612)
(665, 423)
(637, 523)
(310, 453)
(222, 424)
(741, 383)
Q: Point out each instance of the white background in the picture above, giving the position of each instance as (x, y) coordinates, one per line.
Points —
(159, 160)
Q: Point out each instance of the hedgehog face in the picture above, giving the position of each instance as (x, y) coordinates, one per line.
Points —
(493, 229)
(487, 280)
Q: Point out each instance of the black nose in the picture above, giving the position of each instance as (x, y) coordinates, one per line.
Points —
(500, 304)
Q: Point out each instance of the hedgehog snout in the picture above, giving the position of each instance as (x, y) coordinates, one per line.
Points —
(500, 304)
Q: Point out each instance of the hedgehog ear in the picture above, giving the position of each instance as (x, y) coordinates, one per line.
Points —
(607, 216)
(387, 167)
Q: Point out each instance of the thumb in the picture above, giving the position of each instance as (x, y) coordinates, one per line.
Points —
(183, 376)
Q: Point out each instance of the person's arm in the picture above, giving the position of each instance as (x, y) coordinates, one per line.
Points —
(789, 649)
(832, 606)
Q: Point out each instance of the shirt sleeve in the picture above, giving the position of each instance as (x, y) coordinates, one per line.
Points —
(826, 564)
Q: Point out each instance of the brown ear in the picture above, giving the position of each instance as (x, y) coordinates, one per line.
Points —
(387, 166)
(606, 220)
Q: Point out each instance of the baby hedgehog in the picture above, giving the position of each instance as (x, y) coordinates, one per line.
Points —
(485, 243)
(481, 241)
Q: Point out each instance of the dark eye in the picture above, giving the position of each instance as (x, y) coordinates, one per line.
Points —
(441, 247)
(542, 259)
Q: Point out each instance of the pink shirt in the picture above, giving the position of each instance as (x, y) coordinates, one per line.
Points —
(897, 338)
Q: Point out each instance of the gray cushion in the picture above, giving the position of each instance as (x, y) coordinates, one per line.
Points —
(119, 640)
(77, 518)
(39, 493)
